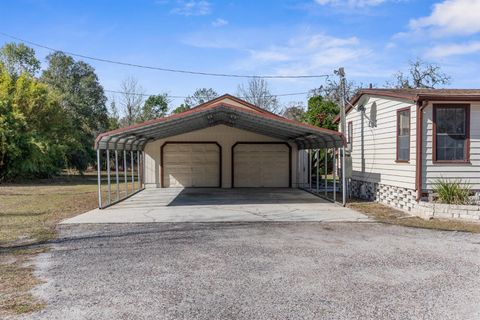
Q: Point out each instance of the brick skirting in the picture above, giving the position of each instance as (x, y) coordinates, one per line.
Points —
(404, 199)
(397, 197)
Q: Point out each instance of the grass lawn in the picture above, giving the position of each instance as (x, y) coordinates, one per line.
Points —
(389, 215)
(29, 213)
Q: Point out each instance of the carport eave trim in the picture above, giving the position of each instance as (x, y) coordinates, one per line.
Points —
(222, 106)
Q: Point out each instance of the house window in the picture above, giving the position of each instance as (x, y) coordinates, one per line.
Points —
(451, 133)
(403, 135)
(350, 134)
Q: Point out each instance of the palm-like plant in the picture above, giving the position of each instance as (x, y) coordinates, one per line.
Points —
(452, 191)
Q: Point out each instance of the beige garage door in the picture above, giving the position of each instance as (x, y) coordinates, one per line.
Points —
(191, 165)
(261, 165)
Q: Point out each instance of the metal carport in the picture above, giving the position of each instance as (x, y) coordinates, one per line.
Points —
(132, 139)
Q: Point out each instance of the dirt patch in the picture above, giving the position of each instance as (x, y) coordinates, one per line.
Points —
(389, 215)
(16, 281)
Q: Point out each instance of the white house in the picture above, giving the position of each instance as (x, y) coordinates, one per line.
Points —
(402, 141)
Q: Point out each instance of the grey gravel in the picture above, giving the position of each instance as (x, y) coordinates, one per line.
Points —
(260, 271)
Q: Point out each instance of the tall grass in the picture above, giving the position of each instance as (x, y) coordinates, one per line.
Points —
(452, 191)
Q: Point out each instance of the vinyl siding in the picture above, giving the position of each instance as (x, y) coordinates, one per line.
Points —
(379, 144)
(467, 172)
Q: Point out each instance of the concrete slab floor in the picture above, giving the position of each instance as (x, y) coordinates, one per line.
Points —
(220, 205)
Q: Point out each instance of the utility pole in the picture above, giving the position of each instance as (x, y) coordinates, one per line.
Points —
(341, 73)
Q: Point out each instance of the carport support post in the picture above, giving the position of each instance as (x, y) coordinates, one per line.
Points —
(99, 177)
(303, 168)
(142, 167)
(116, 175)
(334, 176)
(138, 170)
(344, 179)
(310, 168)
(326, 172)
(125, 171)
(318, 169)
(133, 167)
(108, 178)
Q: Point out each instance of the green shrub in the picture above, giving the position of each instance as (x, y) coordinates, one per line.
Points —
(452, 191)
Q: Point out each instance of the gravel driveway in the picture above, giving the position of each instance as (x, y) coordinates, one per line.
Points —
(260, 271)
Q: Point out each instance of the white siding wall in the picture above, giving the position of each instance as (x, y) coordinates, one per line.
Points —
(466, 172)
(224, 135)
(379, 145)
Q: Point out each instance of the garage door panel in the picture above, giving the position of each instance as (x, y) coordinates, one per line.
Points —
(247, 177)
(272, 170)
(205, 158)
(209, 172)
(247, 170)
(177, 169)
(205, 148)
(202, 181)
(178, 180)
(191, 165)
(261, 165)
(272, 179)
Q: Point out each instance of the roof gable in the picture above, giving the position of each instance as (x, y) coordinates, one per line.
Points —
(231, 100)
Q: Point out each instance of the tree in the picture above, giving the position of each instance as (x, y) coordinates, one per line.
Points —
(18, 58)
(200, 96)
(113, 116)
(421, 74)
(33, 130)
(321, 112)
(83, 99)
(295, 111)
(257, 92)
(331, 91)
(131, 101)
(181, 108)
(155, 106)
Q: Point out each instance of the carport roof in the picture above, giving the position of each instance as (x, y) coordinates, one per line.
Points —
(227, 110)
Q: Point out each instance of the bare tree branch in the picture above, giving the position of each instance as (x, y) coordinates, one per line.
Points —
(331, 91)
(131, 100)
(421, 74)
(257, 92)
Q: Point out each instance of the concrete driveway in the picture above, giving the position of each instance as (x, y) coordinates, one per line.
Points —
(220, 205)
(260, 270)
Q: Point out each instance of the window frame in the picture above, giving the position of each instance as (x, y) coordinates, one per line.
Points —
(350, 134)
(465, 106)
(409, 134)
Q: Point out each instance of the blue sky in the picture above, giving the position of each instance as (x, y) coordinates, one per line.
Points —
(372, 39)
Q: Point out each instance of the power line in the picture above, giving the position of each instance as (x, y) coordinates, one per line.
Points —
(198, 73)
(184, 97)
(142, 94)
